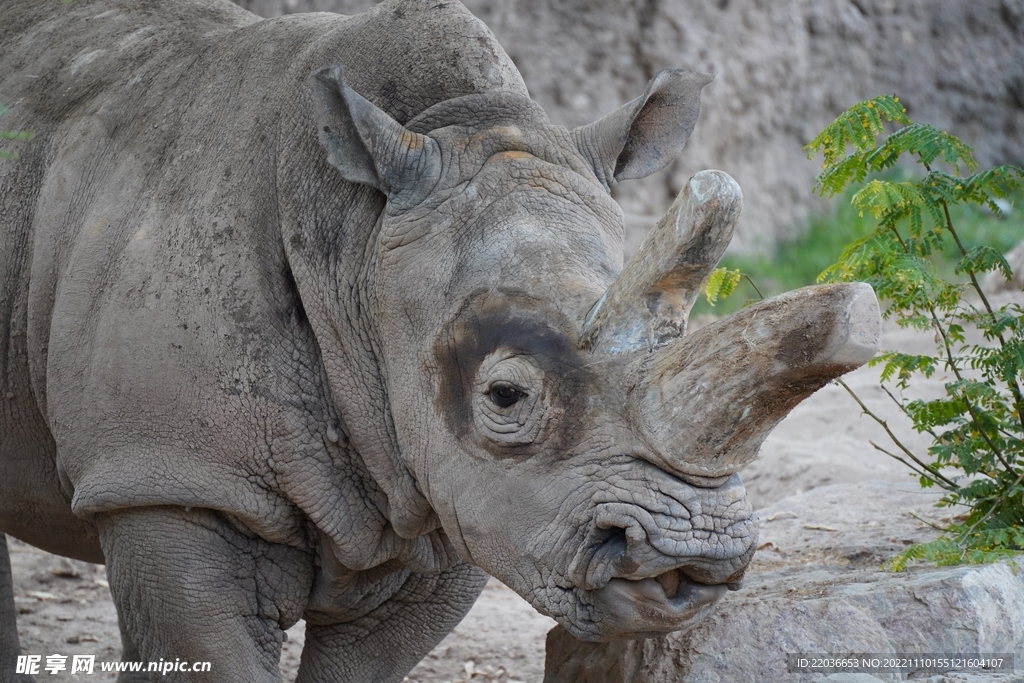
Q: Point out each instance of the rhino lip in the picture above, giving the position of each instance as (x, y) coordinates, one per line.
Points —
(669, 582)
(611, 560)
(650, 606)
(673, 578)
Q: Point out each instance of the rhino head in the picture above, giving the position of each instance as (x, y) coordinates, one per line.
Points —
(545, 408)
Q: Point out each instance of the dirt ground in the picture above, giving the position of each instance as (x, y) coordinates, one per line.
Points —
(65, 607)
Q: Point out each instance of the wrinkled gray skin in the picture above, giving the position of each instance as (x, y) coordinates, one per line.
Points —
(274, 352)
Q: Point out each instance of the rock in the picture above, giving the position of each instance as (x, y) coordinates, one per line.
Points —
(785, 69)
(815, 586)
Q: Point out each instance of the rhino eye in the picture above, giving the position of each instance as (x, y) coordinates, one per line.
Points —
(510, 403)
(504, 394)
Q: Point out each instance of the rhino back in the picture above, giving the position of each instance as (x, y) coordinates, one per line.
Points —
(45, 51)
(167, 348)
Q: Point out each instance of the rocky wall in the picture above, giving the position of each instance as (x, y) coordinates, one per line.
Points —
(785, 69)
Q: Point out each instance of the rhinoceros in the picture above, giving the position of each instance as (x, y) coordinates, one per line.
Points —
(321, 318)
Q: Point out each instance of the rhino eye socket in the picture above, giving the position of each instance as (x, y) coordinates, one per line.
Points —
(510, 401)
(504, 395)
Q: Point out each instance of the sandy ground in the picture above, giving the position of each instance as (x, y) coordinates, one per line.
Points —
(65, 608)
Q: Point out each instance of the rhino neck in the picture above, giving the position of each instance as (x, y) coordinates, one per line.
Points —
(330, 229)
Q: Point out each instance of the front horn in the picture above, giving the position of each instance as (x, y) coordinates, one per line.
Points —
(706, 402)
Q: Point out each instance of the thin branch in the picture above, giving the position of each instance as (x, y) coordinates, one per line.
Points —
(921, 473)
(925, 521)
(754, 286)
(904, 410)
(1009, 436)
(899, 238)
(899, 459)
(963, 252)
(950, 485)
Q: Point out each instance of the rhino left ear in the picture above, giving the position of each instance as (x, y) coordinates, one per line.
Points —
(365, 144)
(644, 135)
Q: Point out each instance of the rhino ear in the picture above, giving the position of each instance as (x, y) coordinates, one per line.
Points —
(644, 135)
(365, 144)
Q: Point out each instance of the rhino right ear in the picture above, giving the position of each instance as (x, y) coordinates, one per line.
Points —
(365, 144)
(644, 135)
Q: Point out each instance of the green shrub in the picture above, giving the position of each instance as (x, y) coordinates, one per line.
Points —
(977, 455)
(798, 262)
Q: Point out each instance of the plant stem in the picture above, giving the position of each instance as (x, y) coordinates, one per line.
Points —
(899, 238)
(935, 474)
(963, 252)
(925, 521)
(759, 294)
(903, 410)
(922, 473)
(1018, 396)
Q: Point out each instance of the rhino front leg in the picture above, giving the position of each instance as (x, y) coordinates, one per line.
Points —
(192, 587)
(9, 649)
(388, 642)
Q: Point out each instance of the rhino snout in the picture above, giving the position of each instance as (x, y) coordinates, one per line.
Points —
(656, 565)
(642, 599)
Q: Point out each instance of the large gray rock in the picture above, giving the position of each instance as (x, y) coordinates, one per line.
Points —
(785, 69)
(815, 586)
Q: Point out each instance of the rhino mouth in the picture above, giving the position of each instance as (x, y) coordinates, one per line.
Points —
(637, 592)
(674, 580)
(651, 606)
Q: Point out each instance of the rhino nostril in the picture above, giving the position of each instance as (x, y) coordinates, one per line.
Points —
(607, 560)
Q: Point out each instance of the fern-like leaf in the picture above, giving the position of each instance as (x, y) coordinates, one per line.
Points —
(858, 127)
(993, 183)
(984, 258)
(721, 284)
(927, 143)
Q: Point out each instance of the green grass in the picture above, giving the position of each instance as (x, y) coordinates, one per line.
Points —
(798, 263)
